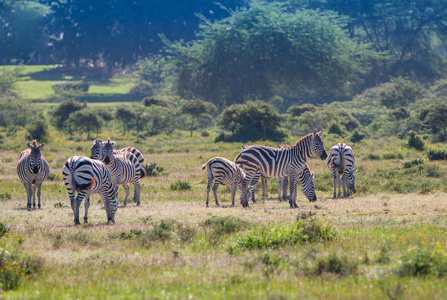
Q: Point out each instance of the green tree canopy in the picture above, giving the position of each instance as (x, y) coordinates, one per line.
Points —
(62, 112)
(126, 116)
(194, 108)
(252, 121)
(258, 50)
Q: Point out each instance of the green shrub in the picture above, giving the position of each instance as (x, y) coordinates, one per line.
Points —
(372, 156)
(303, 231)
(392, 156)
(339, 264)
(357, 136)
(162, 231)
(434, 154)
(14, 266)
(225, 225)
(205, 133)
(180, 185)
(70, 86)
(38, 130)
(5, 195)
(412, 163)
(335, 128)
(423, 262)
(152, 169)
(415, 142)
(297, 110)
(3, 229)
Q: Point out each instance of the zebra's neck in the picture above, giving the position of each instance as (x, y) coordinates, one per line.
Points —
(303, 146)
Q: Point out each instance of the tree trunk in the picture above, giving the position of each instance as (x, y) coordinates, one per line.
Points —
(192, 125)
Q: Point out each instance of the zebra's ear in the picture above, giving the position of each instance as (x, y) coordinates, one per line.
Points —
(29, 145)
(113, 143)
(243, 147)
(315, 131)
(313, 175)
(321, 133)
(41, 145)
(354, 170)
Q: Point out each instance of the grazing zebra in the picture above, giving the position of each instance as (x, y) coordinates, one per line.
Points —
(124, 168)
(32, 169)
(88, 176)
(279, 162)
(96, 151)
(223, 171)
(341, 161)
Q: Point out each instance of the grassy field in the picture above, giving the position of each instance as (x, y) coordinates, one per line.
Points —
(381, 243)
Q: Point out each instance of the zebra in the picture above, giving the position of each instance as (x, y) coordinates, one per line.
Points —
(255, 180)
(124, 168)
(88, 176)
(96, 151)
(279, 162)
(341, 161)
(32, 170)
(223, 171)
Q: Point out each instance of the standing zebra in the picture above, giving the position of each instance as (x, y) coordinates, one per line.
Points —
(88, 176)
(124, 168)
(279, 162)
(32, 169)
(255, 180)
(341, 161)
(222, 171)
(96, 152)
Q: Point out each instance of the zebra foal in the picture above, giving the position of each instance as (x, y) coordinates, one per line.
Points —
(307, 185)
(222, 171)
(124, 168)
(341, 161)
(88, 176)
(32, 170)
(279, 162)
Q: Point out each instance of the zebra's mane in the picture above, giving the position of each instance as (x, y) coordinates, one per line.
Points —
(98, 141)
(303, 139)
(34, 143)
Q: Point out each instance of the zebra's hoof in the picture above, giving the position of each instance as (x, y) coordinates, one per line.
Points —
(77, 223)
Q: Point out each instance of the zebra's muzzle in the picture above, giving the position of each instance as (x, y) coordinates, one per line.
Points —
(107, 160)
(35, 170)
(324, 155)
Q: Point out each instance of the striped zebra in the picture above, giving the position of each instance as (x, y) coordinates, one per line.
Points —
(33, 169)
(341, 161)
(124, 168)
(307, 185)
(88, 176)
(279, 162)
(223, 171)
(255, 180)
(96, 151)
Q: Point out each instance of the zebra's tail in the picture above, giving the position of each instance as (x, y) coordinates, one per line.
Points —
(241, 162)
(237, 157)
(142, 172)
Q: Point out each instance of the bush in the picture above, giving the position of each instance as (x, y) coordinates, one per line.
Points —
(357, 136)
(167, 229)
(335, 128)
(3, 229)
(423, 262)
(225, 225)
(412, 163)
(5, 195)
(148, 101)
(297, 110)
(372, 156)
(415, 142)
(70, 86)
(38, 130)
(303, 231)
(180, 185)
(392, 155)
(152, 169)
(434, 154)
(14, 266)
(336, 264)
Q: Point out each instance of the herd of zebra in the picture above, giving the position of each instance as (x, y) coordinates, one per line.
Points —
(107, 168)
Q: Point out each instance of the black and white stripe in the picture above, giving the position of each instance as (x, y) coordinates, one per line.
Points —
(32, 170)
(255, 180)
(124, 168)
(279, 162)
(88, 176)
(341, 161)
(307, 185)
(96, 151)
(223, 171)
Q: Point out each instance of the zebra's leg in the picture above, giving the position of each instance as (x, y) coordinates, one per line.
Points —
(253, 194)
(245, 193)
(344, 181)
(208, 188)
(216, 185)
(127, 190)
(285, 181)
(137, 192)
(111, 205)
(86, 206)
(77, 205)
(34, 187)
(339, 185)
(39, 186)
(29, 190)
(233, 193)
(279, 188)
(334, 174)
(265, 191)
(253, 183)
(292, 185)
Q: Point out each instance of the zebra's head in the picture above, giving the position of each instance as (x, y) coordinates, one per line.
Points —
(96, 149)
(307, 185)
(351, 181)
(107, 151)
(35, 156)
(318, 144)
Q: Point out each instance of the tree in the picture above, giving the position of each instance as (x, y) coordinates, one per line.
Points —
(106, 114)
(194, 108)
(126, 116)
(437, 117)
(8, 78)
(86, 120)
(252, 121)
(62, 112)
(258, 50)
(38, 130)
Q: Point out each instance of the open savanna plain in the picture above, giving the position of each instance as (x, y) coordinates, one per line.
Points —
(389, 240)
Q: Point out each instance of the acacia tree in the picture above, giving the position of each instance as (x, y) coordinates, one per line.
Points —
(126, 116)
(62, 112)
(194, 108)
(437, 117)
(86, 120)
(258, 50)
